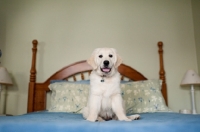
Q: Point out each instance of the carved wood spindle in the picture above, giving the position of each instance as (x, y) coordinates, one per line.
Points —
(74, 77)
(82, 76)
(162, 72)
(122, 78)
(89, 73)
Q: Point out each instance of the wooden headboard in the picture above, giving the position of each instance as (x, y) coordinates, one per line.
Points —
(38, 91)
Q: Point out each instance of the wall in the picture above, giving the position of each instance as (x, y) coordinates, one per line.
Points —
(2, 25)
(196, 18)
(69, 30)
(2, 44)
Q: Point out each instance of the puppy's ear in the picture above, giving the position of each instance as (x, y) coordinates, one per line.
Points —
(119, 61)
(91, 60)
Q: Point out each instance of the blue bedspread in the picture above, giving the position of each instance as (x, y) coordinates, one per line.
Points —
(68, 122)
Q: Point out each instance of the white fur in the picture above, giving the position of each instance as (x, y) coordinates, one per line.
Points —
(105, 101)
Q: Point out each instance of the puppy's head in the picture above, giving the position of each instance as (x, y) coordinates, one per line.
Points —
(105, 60)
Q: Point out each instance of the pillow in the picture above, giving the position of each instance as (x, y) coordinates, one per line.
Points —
(139, 97)
(68, 97)
(143, 96)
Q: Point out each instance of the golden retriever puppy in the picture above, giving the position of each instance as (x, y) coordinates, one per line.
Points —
(105, 101)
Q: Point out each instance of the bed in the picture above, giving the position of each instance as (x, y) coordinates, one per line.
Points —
(144, 96)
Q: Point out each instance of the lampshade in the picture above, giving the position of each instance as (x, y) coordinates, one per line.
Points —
(190, 78)
(4, 77)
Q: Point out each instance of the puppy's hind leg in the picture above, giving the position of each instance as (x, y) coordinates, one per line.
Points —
(100, 119)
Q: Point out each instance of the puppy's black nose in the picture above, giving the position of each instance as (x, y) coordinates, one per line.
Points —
(106, 63)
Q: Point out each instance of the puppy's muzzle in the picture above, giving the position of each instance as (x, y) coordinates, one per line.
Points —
(106, 68)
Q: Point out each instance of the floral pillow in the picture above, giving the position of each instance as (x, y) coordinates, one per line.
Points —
(139, 97)
(143, 96)
(68, 97)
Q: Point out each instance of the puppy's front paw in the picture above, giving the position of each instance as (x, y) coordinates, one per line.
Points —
(134, 117)
(91, 119)
(125, 119)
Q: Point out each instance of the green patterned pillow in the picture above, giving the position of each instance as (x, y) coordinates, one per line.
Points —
(68, 97)
(139, 97)
(143, 96)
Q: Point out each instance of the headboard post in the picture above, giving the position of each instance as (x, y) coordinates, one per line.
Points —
(162, 72)
(32, 78)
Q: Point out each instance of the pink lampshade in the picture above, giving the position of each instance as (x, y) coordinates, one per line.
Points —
(190, 78)
(4, 76)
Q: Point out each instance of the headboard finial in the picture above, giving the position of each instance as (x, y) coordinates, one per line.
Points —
(35, 42)
(160, 43)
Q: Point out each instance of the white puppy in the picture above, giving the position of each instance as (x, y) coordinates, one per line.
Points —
(105, 101)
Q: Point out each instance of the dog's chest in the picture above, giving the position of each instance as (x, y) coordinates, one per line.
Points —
(106, 88)
(106, 103)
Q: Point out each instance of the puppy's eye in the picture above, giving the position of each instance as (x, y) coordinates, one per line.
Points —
(110, 56)
(100, 56)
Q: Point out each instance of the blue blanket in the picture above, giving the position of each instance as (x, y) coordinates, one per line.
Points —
(68, 122)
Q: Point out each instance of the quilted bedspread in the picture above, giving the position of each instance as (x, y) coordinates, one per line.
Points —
(69, 122)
